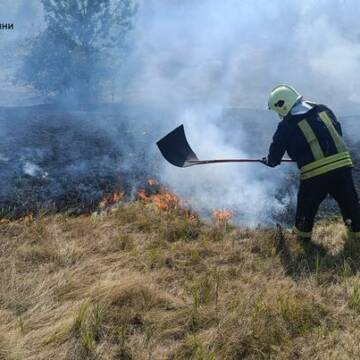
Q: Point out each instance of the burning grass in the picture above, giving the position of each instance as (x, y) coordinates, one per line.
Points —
(162, 198)
(112, 199)
(150, 280)
(222, 216)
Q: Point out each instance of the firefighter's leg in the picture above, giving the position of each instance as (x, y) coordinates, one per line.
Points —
(311, 193)
(345, 194)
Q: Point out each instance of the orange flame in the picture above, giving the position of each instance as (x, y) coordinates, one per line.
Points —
(166, 201)
(142, 195)
(163, 199)
(222, 216)
(111, 199)
(152, 182)
(27, 218)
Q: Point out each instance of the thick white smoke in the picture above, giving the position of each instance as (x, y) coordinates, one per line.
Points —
(197, 59)
(235, 51)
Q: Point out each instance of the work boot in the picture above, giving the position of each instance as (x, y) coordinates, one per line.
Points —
(310, 248)
(354, 235)
(352, 244)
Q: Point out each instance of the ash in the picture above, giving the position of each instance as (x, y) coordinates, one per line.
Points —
(55, 160)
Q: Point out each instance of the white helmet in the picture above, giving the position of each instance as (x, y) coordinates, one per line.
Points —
(282, 98)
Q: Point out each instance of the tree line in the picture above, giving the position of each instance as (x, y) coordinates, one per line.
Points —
(73, 58)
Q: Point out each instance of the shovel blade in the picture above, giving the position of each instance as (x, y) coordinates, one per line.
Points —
(175, 148)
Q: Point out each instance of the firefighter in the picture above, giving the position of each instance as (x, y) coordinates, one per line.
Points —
(312, 136)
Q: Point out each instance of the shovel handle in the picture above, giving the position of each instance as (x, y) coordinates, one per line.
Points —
(203, 162)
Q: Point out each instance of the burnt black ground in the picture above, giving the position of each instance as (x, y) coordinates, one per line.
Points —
(68, 160)
(53, 159)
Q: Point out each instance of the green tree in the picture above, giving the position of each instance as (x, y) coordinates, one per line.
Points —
(70, 58)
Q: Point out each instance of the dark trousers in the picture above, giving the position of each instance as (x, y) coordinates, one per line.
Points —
(340, 185)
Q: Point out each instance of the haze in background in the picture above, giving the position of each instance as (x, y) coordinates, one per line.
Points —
(197, 62)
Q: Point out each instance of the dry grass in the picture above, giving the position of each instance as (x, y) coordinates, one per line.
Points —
(141, 283)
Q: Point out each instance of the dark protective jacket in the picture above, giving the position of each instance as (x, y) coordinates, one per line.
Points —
(313, 140)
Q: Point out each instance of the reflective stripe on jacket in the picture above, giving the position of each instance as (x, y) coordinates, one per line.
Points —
(313, 140)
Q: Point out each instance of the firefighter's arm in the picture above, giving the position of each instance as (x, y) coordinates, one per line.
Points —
(334, 120)
(277, 148)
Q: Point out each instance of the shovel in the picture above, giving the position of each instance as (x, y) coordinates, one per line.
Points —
(177, 151)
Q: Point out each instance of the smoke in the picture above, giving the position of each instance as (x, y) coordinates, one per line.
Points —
(234, 52)
(33, 170)
(206, 64)
(27, 17)
(196, 61)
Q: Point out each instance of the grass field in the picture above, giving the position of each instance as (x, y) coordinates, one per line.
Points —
(149, 282)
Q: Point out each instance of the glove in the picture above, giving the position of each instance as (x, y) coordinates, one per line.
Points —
(265, 161)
